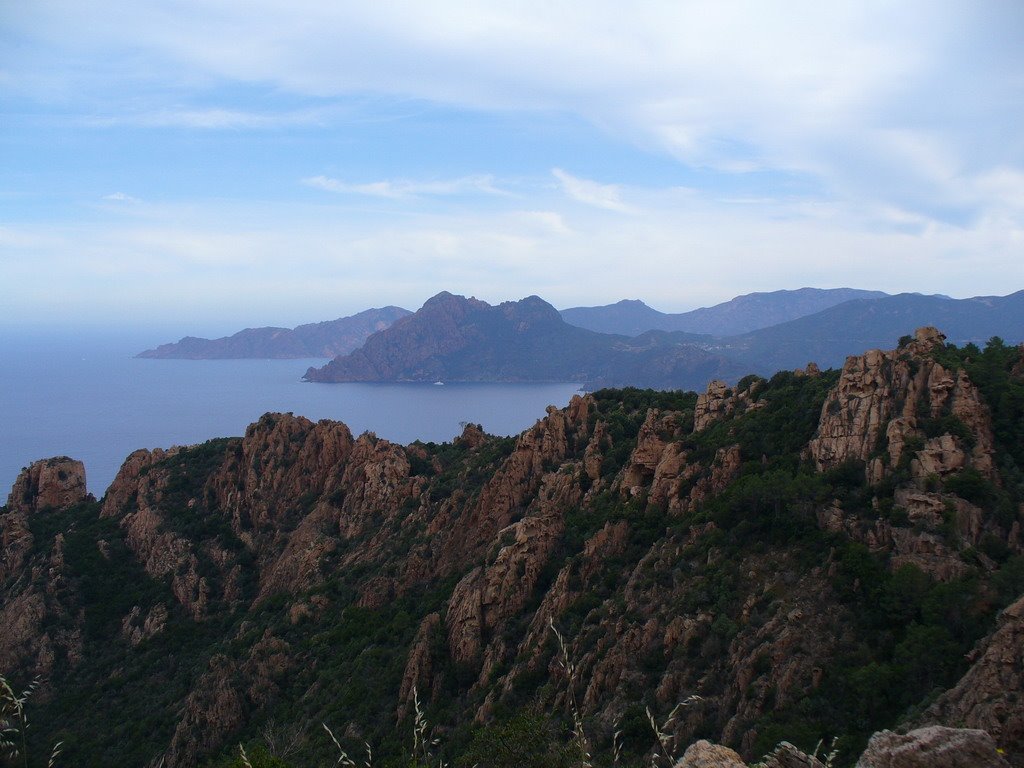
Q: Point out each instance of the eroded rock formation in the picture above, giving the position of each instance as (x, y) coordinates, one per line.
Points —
(605, 519)
(880, 403)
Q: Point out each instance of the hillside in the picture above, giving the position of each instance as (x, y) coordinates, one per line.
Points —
(813, 555)
(452, 338)
(829, 336)
(742, 314)
(326, 339)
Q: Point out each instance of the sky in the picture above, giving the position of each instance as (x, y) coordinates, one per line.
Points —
(208, 165)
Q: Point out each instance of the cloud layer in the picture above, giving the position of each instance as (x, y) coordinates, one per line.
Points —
(861, 143)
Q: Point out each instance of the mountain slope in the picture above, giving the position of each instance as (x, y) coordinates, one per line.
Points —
(326, 339)
(737, 316)
(452, 338)
(829, 336)
(812, 555)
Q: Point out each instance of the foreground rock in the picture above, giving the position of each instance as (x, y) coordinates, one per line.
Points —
(989, 696)
(704, 754)
(37, 622)
(932, 747)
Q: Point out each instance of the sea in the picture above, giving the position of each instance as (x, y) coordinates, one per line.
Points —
(88, 397)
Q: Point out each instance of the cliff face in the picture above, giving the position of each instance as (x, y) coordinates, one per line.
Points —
(49, 484)
(885, 399)
(42, 592)
(988, 696)
(763, 548)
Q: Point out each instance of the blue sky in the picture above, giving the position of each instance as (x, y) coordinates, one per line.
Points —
(206, 165)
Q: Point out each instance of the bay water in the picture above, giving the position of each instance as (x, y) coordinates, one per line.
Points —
(87, 397)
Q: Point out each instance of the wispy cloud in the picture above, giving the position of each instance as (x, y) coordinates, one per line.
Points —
(733, 86)
(898, 125)
(406, 188)
(593, 193)
(120, 197)
(213, 118)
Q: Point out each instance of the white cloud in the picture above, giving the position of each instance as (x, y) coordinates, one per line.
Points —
(901, 121)
(120, 197)
(209, 119)
(678, 251)
(926, 94)
(589, 192)
(404, 188)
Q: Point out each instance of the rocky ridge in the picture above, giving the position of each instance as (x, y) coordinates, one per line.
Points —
(676, 560)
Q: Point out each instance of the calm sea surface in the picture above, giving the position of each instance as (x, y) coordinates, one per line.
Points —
(91, 400)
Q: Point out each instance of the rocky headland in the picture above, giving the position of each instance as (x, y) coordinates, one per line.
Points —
(325, 339)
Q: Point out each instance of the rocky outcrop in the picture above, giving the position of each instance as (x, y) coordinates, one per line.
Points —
(37, 614)
(138, 499)
(281, 459)
(724, 469)
(488, 597)
(719, 400)
(879, 405)
(224, 695)
(989, 696)
(510, 491)
(135, 629)
(215, 709)
(15, 542)
(785, 755)
(704, 754)
(48, 484)
(41, 620)
(932, 747)
(132, 487)
(656, 460)
(419, 666)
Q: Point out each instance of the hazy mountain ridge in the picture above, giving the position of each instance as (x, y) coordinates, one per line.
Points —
(809, 562)
(324, 339)
(452, 338)
(740, 315)
(827, 337)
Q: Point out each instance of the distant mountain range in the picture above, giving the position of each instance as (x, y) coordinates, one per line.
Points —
(327, 339)
(628, 318)
(740, 315)
(827, 337)
(454, 338)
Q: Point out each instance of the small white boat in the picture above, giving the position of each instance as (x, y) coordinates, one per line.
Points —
(438, 383)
